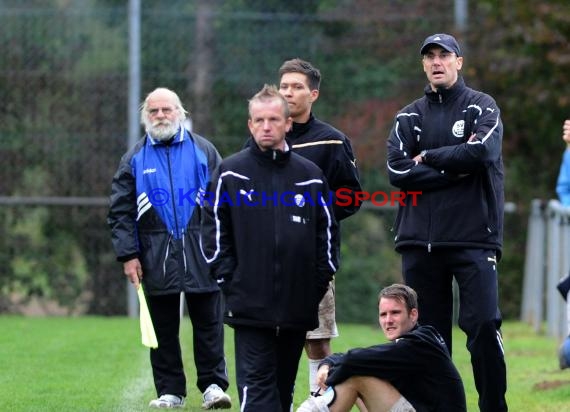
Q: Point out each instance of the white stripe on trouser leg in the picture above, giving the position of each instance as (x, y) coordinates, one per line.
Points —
(242, 407)
(500, 342)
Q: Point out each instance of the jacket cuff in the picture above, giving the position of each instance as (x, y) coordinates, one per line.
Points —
(126, 258)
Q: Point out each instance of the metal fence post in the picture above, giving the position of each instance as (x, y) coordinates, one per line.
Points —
(134, 99)
(565, 267)
(533, 286)
(553, 271)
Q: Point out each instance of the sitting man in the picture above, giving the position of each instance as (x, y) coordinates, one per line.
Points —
(413, 372)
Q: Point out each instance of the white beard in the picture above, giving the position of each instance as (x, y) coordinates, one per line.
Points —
(163, 130)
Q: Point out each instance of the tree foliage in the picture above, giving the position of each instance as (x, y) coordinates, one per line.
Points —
(521, 53)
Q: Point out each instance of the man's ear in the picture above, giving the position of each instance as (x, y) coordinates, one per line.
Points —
(314, 95)
(288, 124)
(459, 63)
(414, 314)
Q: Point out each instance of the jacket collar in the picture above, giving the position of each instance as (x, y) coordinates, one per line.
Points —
(444, 95)
(300, 128)
(277, 157)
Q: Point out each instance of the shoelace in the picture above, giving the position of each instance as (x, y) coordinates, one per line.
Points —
(318, 392)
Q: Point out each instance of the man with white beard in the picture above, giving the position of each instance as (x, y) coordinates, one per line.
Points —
(154, 218)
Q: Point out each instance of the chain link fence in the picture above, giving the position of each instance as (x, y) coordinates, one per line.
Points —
(65, 76)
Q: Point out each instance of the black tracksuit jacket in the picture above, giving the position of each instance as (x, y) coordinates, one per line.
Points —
(417, 364)
(269, 240)
(462, 199)
(331, 150)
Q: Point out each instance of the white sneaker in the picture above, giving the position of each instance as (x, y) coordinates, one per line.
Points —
(168, 402)
(216, 398)
(318, 403)
(314, 404)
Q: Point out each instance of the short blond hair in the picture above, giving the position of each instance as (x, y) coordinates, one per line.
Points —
(269, 92)
(402, 293)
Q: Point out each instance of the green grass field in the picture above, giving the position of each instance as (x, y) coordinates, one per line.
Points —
(99, 364)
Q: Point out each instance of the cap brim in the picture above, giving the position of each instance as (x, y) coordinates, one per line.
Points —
(427, 46)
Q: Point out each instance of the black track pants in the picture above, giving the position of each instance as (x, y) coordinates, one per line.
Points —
(475, 270)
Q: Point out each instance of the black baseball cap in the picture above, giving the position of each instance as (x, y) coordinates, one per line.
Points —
(447, 41)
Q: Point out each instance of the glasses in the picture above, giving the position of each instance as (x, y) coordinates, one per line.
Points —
(443, 56)
(165, 110)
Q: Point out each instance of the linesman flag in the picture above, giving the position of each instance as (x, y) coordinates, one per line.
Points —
(147, 330)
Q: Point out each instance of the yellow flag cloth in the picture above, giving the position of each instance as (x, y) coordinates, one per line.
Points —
(147, 330)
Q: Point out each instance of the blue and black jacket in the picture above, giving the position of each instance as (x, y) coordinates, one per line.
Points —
(154, 212)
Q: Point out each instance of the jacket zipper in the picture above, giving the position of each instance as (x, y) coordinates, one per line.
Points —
(277, 266)
(176, 229)
(184, 249)
(166, 256)
(171, 189)
(440, 98)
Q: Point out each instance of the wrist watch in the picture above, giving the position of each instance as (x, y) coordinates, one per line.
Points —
(423, 155)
